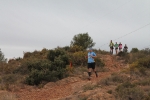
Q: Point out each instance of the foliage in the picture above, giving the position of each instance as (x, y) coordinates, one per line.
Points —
(138, 55)
(75, 48)
(89, 87)
(140, 67)
(43, 70)
(128, 91)
(134, 55)
(122, 54)
(66, 48)
(36, 54)
(52, 69)
(2, 58)
(9, 78)
(114, 79)
(83, 40)
(99, 62)
(134, 50)
(22, 69)
(99, 51)
(144, 82)
(143, 62)
(78, 58)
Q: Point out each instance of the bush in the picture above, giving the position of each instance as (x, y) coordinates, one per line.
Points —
(99, 62)
(144, 82)
(122, 54)
(78, 58)
(36, 54)
(2, 58)
(52, 54)
(101, 51)
(138, 55)
(143, 62)
(89, 87)
(9, 78)
(75, 48)
(114, 79)
(36, 76)
(52, 69)
(128, 91)
(134, 50)
(44, 70)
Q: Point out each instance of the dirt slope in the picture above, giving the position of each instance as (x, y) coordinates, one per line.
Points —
(71, 88)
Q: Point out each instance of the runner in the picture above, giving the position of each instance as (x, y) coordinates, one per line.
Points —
(125, 49)
(111, 45)
(91, 63)
(120, 46)
(116, 48)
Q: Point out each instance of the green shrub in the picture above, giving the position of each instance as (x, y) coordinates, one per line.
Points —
(134, 50)
(44, 70)
(2, 57)
(51, 55)
(66, 48)
(22, 69)
(52, 69)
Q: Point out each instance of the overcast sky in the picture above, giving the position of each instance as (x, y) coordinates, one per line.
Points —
(28, 25)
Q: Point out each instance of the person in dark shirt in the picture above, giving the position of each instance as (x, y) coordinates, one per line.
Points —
(125, 49)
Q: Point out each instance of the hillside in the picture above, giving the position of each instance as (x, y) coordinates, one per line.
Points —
(74, 88)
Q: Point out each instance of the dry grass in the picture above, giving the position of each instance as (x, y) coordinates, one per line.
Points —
(7, 96)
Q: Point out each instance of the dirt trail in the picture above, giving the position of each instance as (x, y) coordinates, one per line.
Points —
(71, 85)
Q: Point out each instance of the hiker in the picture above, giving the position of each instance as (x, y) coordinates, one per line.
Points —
(91, 63)
(111, 45)
(120, 46)
(116, 48)
(125, 49)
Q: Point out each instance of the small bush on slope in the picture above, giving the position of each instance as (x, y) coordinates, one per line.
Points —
(128, 91)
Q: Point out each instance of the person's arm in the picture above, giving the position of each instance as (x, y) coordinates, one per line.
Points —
(94, 55)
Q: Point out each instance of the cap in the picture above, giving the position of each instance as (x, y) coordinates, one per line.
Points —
(90, 48)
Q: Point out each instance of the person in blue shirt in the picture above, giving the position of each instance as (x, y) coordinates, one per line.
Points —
(91, 63)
